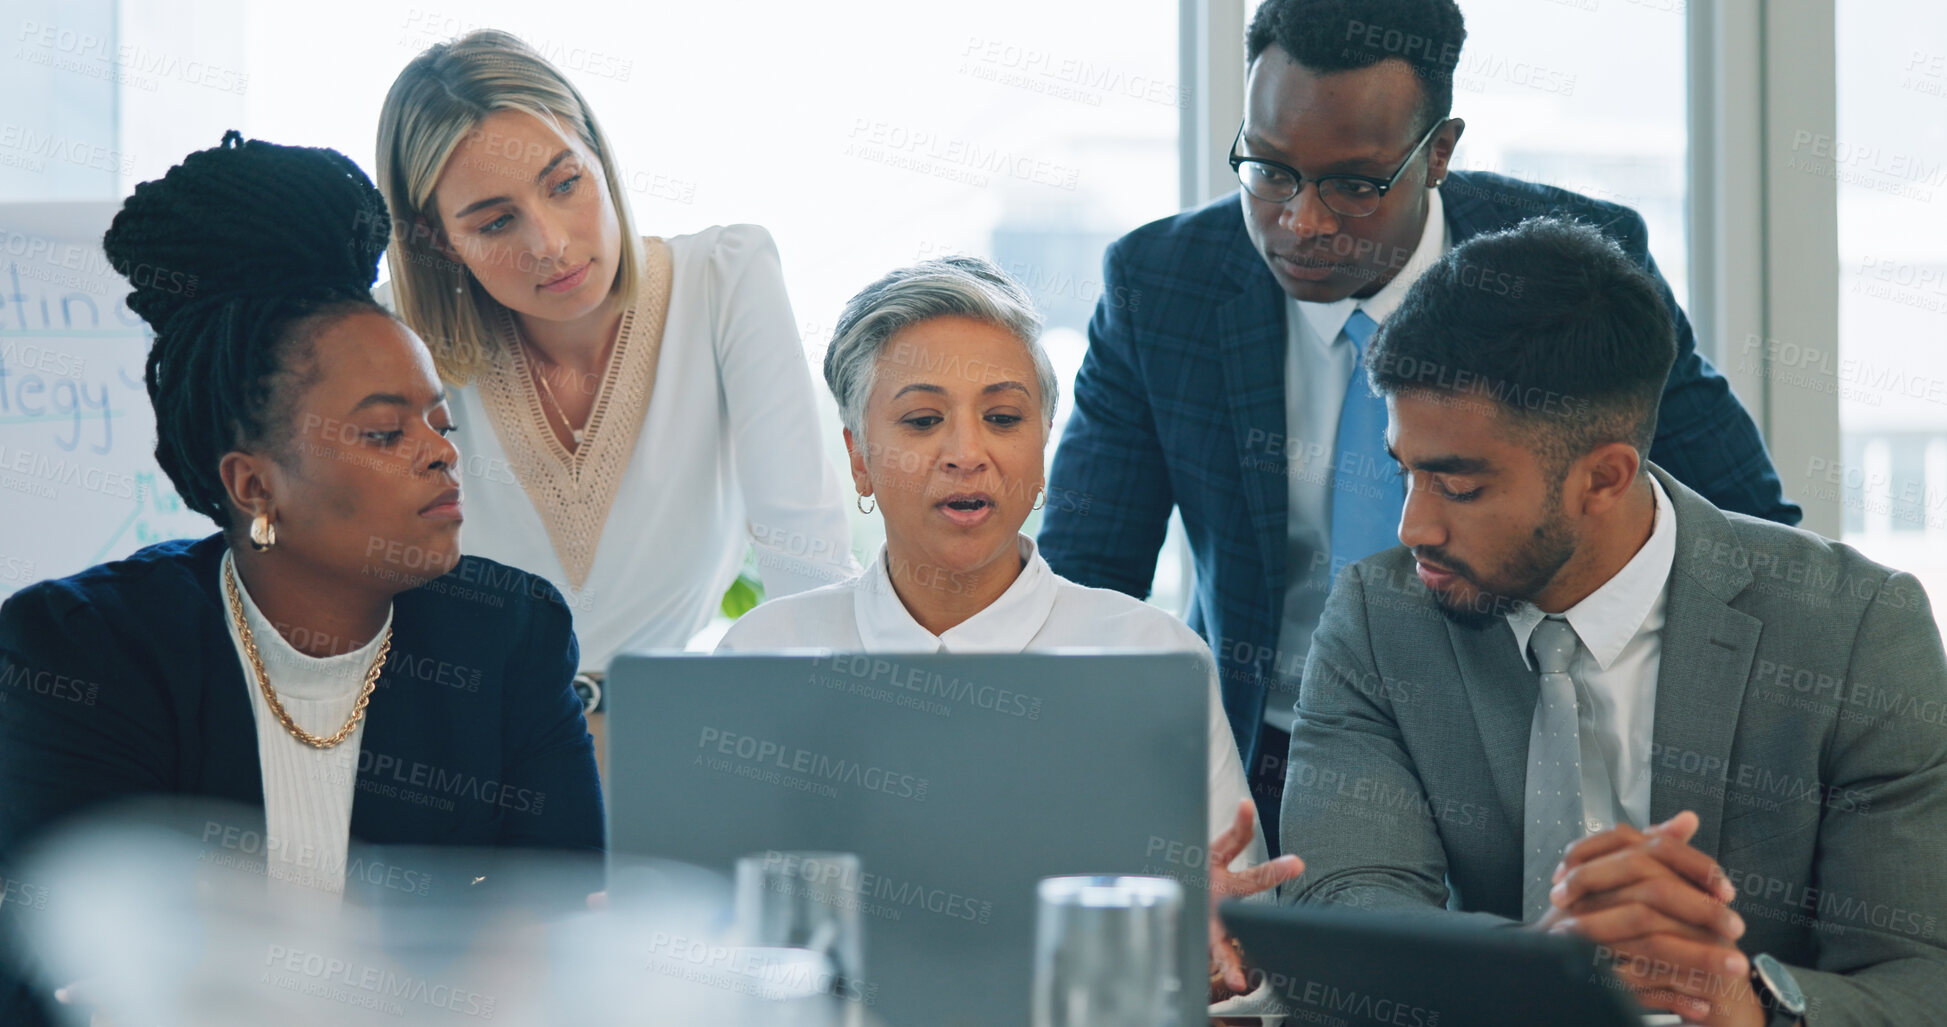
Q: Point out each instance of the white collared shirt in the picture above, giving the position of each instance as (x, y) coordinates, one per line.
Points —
(1620, 628)
(1040, 610)
(1319, 360)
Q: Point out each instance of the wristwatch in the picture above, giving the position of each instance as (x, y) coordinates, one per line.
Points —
(1777, 991)
(588, 685)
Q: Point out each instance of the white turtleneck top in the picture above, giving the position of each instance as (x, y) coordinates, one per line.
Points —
(307, 792)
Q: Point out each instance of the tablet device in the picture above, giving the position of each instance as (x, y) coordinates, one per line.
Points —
(1367, 969)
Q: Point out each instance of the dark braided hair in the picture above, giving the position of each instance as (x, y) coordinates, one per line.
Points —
(238, 256)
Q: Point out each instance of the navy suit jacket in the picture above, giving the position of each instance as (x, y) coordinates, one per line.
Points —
(122, 682)
(1181, 402)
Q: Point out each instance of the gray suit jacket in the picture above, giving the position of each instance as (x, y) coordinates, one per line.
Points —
(1801, 711)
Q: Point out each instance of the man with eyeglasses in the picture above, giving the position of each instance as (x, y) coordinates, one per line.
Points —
(1223, 374)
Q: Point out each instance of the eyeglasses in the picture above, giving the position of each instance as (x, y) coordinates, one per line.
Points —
(1352, 196)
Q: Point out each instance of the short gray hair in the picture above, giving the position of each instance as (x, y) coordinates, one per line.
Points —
(943, 287)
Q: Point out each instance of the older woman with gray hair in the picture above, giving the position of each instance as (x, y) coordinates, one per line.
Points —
(948, 400)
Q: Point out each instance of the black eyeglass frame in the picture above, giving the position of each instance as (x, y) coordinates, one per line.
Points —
(1383, 185)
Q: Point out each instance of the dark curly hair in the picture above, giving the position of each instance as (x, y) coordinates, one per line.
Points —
(1345, 35)
(239, 255)
(1550, 320)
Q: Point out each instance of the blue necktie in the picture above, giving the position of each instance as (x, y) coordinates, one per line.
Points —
(1367, 495)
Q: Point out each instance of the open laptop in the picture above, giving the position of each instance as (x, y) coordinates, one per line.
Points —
(1359, 968)
(959, 780)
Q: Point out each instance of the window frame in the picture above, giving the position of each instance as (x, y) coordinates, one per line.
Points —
(1764, 236)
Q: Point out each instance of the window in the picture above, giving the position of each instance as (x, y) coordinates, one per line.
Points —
(1586, 97)
(1889, 159)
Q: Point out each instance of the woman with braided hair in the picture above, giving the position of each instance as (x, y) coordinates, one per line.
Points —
(328, 655)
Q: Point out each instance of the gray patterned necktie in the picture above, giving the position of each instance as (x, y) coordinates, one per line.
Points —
(1553, 817)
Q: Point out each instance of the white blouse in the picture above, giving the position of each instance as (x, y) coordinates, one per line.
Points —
(307, 792)
(1040, 610)
(729, 453)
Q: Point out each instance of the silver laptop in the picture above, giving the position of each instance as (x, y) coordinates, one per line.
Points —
(959, 780)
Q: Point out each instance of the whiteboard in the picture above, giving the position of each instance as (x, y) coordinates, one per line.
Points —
(79, 483)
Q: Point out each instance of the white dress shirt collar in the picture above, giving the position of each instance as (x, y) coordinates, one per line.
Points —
(1328, 319)
(1005, 626)
(1608, 618)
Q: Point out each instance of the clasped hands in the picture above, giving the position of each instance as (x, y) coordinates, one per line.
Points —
(1661, 911)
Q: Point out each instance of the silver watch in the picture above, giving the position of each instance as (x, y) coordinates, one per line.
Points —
(1777, 990)
(588, 685)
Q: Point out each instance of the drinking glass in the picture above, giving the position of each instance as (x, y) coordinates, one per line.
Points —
(1105, 952)
(808, 901)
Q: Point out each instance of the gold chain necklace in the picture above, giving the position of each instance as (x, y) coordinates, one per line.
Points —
(534, 358)
(541, 376)
(559, 410)
(263, 679)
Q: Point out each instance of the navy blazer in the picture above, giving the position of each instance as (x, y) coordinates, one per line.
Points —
(1180, 402)
(122, 681)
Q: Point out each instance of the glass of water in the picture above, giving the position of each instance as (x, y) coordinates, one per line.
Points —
(808, 901)
(1105, 952)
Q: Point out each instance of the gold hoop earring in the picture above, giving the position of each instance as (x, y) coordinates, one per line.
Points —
(1040, 497)
(860, 503)
(263, 534)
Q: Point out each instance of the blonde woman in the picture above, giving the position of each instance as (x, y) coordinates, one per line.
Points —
(639, 408)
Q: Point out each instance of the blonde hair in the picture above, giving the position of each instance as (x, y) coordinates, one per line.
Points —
(434, 104)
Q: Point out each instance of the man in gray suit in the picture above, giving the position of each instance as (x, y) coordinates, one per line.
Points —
(1583, 699)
